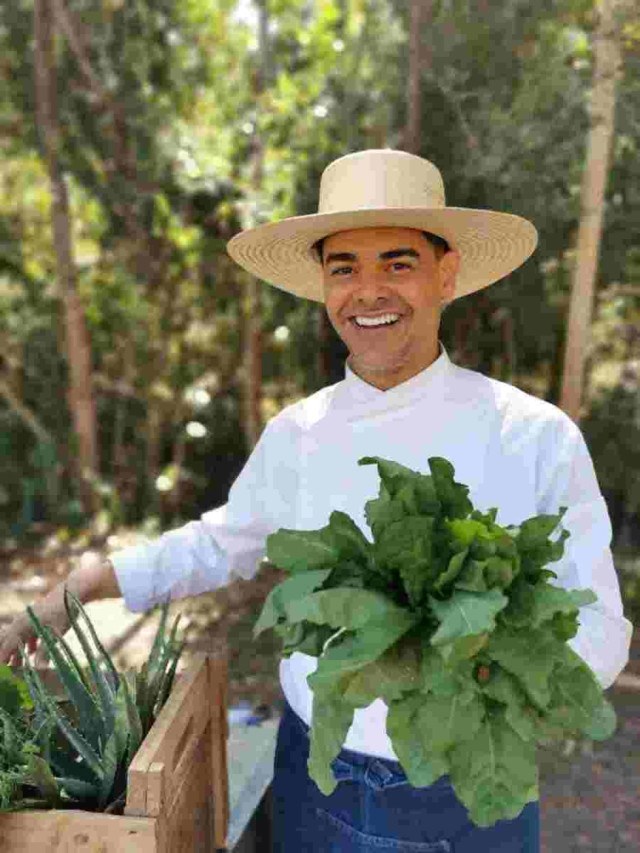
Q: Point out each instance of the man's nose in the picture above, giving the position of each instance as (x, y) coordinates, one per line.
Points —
(372, 288)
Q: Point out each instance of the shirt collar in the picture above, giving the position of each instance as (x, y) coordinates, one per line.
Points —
(422, 383)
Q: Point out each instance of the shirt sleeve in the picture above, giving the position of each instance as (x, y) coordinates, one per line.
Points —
(225, 543)
(567, 478)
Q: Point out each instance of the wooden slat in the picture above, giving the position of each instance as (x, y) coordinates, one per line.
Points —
(70, 831)
(188, 821)
(219, 732)
(188, 702)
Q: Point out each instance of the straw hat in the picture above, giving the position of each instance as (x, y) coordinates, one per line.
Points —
(383, 187)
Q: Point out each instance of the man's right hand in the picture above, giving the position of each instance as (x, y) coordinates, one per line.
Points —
(94, 578)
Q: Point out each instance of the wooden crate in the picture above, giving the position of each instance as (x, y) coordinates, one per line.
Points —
(177, 791)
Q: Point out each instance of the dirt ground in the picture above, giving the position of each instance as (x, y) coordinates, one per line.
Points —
(590, 792)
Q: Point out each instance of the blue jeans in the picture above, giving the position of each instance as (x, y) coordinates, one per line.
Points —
(374, 808)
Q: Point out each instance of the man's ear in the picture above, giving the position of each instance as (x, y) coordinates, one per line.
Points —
(449, 266)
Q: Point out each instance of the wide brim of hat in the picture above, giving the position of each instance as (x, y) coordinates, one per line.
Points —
(491, 244)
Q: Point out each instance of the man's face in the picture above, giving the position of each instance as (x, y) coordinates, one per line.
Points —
(384, 288)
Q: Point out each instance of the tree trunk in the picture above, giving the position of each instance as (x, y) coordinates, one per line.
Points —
(252, 327)
(420, 59)
(606, 69)
(76, 335)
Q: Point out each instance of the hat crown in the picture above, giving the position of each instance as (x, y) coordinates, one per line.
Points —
(380, 178)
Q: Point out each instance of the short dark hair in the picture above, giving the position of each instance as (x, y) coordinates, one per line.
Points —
(439, 243)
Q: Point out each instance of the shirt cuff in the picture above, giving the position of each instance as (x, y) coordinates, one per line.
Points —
(603, 642)
(134, 584)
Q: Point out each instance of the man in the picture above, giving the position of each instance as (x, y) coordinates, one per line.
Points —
(385, 254)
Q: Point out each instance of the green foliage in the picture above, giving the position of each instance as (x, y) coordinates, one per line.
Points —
(14, 694)
(454, 624)
(159, 151)
(88, 740)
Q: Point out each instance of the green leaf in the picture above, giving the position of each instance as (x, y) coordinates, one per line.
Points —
(312, 639)
(104, 692)
(472, 576)
(494, 774)
(442, 677)
(576, 694)
(394, 673)
(14, 693)
(535, 547)
(289, 590)
(420, 763)
(382, 512)
(110, 760)
(352, 651)
(533, 604)
(603, 722)
(158, 640)
(127, 686)
(406, 547)
(455, 566)
(349, 539)
(466, 530)
(38, 773)
(91, 718)
(78, 789)
(503, 687)
(53, 712)
(106, 658)
(392, 475)
(331, 719)
(453, 496)
(466, 613)
(464, 648)
(343, 608)
(302, 550)
(530, 655)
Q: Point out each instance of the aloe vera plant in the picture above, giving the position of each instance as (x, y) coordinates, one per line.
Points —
(88, 738)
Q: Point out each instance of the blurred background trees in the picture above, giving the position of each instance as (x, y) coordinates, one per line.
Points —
(172, 124)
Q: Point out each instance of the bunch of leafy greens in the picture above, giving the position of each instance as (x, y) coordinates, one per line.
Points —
(72, 748)
(452, 621)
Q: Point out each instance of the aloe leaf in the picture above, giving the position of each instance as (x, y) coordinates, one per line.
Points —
(101, 649)
(110, 766)
(156, 648)
(142, 693)
(122, 727)
(167, 682)
(84, 749)
(162, 660)
(78, 789)
(169, 650)
(84, 702)
(67, 765)
(105, 694)
(133, 716)
(73, 660)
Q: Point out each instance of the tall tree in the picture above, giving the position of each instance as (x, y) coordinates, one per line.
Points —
(607, 56)
(76, 337)
(420, 60)
(252, 331)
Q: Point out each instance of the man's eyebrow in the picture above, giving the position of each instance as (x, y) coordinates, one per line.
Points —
(384, 256)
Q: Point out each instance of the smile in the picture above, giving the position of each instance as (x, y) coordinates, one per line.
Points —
(373, 322)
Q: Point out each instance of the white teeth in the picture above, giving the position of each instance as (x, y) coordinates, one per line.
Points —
(383, 320)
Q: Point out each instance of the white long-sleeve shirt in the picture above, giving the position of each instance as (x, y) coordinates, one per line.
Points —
(516, 452)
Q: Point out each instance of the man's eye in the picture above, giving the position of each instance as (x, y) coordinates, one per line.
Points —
(401, 264)
(339, 269)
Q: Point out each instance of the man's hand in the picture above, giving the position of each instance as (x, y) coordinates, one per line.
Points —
(93, 579)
